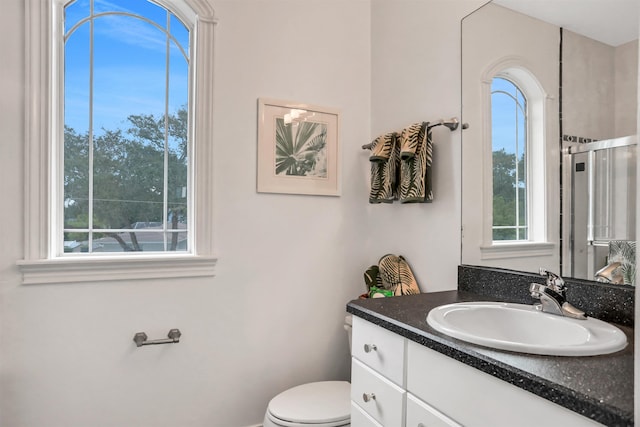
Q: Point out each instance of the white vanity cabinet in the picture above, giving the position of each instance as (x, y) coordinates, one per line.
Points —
(396, 382)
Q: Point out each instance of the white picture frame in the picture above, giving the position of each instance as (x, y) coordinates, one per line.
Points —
(298, 148)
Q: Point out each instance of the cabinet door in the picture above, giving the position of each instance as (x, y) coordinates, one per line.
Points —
(380, 349)
(376, 395)
(419, 414)
(476, 399)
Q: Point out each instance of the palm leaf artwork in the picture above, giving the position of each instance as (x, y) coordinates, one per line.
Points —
(301, 148)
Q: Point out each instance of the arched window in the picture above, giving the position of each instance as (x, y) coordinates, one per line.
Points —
(519, 172)
(126, 128)
(510, 161)
(119, 136)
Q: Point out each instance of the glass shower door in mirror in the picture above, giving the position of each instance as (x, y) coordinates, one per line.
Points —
(603, 179)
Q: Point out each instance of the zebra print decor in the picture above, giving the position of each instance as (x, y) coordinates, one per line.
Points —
(624, 252)
(384, 168)
(401, 166)
(415, 164)
(397, 275)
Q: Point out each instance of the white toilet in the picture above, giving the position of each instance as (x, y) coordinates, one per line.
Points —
(321, 404)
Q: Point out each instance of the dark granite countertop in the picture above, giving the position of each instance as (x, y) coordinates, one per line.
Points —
(598, 387)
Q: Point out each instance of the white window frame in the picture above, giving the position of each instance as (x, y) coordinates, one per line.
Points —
(539, 244)
(41, 168)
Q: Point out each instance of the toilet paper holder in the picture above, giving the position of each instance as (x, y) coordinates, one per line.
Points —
(140, 338)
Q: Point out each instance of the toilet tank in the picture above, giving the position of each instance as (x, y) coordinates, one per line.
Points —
(348, 324)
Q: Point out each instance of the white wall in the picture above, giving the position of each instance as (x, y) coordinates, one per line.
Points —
(599, 87)
(626, 69)
(415, 77)
(588, 95)
(272, 317)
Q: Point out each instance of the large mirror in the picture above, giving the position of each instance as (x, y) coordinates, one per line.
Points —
(549, 90)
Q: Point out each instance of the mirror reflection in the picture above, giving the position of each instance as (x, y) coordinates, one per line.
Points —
(549, 160)
(601, 229)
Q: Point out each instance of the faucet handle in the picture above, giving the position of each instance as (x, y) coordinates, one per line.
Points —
(554, 281)
(536, 290)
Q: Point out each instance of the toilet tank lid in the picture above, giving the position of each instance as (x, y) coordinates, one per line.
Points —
(313, 403)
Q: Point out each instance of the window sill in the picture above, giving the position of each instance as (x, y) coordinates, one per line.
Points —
(517, 250)
(99, 269)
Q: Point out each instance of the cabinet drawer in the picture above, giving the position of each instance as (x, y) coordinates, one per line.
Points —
(379, 349)
(359, 418)
(377, 396)
(419, 414)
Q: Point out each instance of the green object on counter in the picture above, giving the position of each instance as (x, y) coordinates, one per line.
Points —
(375, 292)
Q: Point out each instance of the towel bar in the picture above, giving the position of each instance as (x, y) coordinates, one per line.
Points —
(452, 124)
(173, 338)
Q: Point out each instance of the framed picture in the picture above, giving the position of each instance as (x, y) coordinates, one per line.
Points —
(298, 149)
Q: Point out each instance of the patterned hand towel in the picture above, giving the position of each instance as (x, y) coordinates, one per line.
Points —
(397, 275)
(384, 168)
(415, 164)
(624, 252)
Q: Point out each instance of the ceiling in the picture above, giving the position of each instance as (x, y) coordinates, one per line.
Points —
(613, 22)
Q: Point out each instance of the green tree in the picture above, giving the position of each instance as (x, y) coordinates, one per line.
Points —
(504, 193)
(128, 177)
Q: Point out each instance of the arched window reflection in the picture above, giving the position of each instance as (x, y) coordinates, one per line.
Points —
(509, 147)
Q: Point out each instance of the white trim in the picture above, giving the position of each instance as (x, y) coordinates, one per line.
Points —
(203, 150)
(487, 161)
(517, 250)
(38, 265)
(37, 127)
(65, 270)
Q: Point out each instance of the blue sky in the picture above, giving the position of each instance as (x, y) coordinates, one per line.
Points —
(503, 115)
(129, 64)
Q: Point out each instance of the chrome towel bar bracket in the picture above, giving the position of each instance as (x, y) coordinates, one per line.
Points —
(173, 338)
(453, 123)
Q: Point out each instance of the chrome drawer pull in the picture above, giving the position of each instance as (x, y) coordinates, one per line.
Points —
(368, 348)
(368, 397)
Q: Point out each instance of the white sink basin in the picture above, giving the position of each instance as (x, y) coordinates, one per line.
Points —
(523, 328)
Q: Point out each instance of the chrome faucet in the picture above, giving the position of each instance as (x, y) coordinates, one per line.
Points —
(552, 296)
(610, 274)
